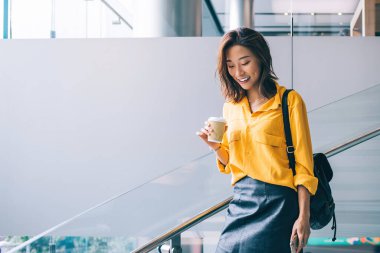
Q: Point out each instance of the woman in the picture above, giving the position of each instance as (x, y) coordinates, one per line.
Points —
(270, 207)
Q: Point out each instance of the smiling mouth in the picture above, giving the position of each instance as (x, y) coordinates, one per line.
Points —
(243, 80)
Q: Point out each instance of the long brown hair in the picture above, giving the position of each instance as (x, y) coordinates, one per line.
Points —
(256, 43)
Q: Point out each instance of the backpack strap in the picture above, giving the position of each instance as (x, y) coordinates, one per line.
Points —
(288, 134)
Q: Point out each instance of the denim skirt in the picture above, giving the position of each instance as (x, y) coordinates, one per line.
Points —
(259, 218)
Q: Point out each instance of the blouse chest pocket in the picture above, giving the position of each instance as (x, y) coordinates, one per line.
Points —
(272, 125)
(268, 139)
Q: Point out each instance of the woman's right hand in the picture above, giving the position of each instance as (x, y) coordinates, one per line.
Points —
(204, 133)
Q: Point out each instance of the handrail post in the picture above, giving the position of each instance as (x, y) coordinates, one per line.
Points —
(176, 244)
(52, 245)
(174, 247)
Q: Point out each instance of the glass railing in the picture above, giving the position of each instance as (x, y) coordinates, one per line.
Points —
(355, 184)
(339, 121)
(273, 24)
(322, 24)
(349, 18)
(143, 213)
(130, 220)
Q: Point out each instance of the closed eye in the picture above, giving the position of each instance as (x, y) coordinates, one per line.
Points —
(246, 63)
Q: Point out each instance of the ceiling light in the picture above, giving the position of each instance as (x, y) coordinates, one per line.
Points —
(340, 14)
(312, 13)
(286, 14)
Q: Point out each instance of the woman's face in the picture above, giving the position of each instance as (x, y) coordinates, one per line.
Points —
(243, 66)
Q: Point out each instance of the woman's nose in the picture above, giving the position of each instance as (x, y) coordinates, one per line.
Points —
(239, 71)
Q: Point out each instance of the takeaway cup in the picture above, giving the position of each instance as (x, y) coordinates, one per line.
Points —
(218, 124)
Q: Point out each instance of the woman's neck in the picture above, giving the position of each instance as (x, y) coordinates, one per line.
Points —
(254, 94)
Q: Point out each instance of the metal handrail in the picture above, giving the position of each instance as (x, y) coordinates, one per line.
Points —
(224, 204)
(184, 226)
(214, 16)
(118, 13)
(353, 142)
(208, 3)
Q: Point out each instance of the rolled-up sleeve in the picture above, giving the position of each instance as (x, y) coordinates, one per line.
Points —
(302, 144)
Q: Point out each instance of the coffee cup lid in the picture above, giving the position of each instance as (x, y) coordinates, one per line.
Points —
(218, 119)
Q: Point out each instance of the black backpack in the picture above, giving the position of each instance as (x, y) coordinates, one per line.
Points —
(322, 206)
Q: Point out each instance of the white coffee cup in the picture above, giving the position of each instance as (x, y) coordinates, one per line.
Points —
(218, 124)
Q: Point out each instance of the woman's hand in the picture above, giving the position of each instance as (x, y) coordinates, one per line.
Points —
(301, 229)
(220, 152)
(204, 133)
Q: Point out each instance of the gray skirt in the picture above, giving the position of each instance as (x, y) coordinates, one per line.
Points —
(259, 218)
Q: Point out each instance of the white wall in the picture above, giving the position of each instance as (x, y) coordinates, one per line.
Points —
(329, 68)
(76, 115)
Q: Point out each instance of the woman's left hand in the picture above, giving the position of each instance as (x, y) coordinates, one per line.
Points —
(301, 228)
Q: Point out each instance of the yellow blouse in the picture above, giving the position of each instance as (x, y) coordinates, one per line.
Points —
(256, 143)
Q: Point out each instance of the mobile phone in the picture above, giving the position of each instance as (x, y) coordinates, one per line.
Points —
(294, 244)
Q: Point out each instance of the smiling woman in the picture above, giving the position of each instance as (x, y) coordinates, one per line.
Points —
(245, 69)
(266, 213)
(248, 56)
